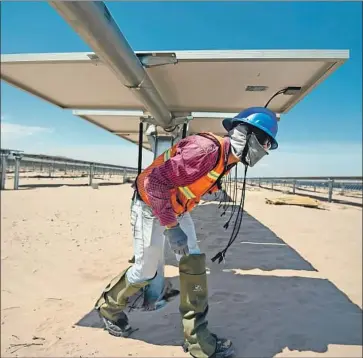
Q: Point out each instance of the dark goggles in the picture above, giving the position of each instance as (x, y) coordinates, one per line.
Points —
(263, 138)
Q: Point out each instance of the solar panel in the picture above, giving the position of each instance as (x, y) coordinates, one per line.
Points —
(126, 124)
(188, 81)
(210, 81)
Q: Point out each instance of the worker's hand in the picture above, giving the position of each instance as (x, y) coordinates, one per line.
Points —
(177, 239)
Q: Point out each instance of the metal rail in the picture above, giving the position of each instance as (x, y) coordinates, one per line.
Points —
(311, 178)
(96, 26)
(18, 160)
(344, 186)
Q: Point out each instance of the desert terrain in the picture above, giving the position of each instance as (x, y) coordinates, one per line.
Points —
(291, 285)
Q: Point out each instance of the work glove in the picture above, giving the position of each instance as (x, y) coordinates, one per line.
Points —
(178, 240)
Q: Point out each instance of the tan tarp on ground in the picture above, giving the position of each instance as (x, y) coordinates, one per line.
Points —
(295, 200)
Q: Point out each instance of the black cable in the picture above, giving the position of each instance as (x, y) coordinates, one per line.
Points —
(229, 192)
(234, 199)
(239, 215)
(237, 225)
(223, 192)
(185, 126)
(276, 94)
(141, 137)
(156, 140)
(228, 183)
(226, 191)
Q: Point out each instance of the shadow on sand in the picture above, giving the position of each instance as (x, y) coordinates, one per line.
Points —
(261, 314)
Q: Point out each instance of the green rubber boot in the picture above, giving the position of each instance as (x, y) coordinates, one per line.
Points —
(113, 301)
(198, 340)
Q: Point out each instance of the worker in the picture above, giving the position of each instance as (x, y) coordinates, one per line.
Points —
(165, 194)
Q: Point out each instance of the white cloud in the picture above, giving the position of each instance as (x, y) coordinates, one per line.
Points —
(35, 139)
(14, 131)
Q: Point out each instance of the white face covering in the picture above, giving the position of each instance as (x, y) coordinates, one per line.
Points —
(240, 139)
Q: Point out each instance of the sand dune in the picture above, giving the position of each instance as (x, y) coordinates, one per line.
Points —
(291, 285)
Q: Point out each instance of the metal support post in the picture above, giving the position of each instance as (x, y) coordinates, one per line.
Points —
(91, 171)
(294, 186)
(259, 182)
(162, 143)
(330, 193)
(159, 145)
(16, 172)
(272, 185)
(4, 165)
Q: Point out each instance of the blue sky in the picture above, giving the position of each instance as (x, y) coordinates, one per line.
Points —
(322, 135)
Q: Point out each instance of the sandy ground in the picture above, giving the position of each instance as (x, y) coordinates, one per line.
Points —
(291, 285)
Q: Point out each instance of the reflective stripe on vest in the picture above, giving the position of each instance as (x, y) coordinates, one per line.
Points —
(213, 175)
(187, 192)
(167, 155)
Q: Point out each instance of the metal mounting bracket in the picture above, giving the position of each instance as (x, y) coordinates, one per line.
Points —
(154, 59)
(176, 121)
(148, 60)
(175, 132)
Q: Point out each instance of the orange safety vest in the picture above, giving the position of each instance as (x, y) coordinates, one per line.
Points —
(184, 199)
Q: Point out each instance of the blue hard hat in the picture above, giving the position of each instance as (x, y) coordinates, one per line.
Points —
(259, 117)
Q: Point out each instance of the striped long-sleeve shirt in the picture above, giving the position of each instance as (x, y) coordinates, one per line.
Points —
(194, 158)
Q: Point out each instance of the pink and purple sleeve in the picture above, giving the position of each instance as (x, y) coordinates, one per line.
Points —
(194, 158)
